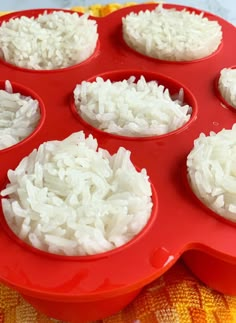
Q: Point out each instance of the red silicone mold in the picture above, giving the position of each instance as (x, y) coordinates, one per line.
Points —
(82, 289)
(224, 103)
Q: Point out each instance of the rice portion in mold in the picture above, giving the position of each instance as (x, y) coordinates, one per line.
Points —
(170, 34)
(70, 197)
(19, 116)
(212, 171)
(50, 41)
(130, 108)
(227, 85)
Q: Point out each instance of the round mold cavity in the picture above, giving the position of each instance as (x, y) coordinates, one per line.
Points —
(34, 13)
(81, 289)
(198, 201)
(171, 84)
(151, 7)
(18, 88)
(224, 102)
(130, 244)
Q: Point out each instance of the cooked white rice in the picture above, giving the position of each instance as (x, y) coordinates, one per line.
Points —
(131, 109)
(227, 85)
(50, 41)
(71, 198)
(212, 171)
(170, 34)
(19, 116)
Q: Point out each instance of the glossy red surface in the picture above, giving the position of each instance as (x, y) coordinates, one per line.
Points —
(179, 221)
(219, 95)
(214, 272)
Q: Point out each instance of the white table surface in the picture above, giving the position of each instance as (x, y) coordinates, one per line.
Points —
(223, 8)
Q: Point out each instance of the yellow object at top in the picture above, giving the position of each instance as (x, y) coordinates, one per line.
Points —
(97, 10)
(4, 12)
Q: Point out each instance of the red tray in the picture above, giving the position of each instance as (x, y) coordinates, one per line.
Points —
(80, 289)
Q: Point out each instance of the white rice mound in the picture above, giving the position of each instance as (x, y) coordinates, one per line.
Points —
(212, 171)
(19, 116)
(227, 85)
(50, 41)
(170, 34)
(129, 108)
(72, 198)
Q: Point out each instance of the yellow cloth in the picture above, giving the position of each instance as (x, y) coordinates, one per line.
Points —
(176, 297)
